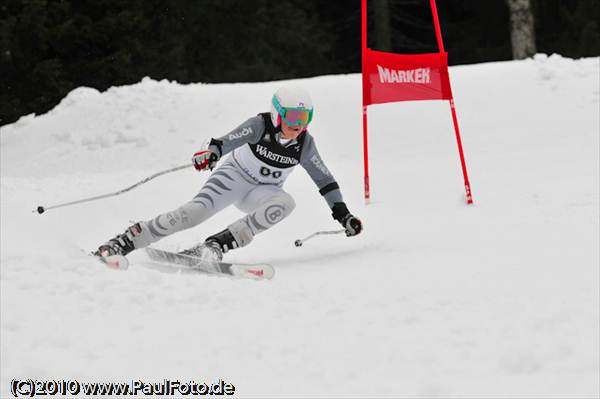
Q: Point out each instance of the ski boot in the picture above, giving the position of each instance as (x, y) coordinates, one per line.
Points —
(122, 244)
(213, 248)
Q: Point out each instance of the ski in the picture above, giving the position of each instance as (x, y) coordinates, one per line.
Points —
(113, 261)
(261, 271)
(118, 262)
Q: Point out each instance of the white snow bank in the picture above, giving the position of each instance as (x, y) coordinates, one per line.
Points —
(434, 299)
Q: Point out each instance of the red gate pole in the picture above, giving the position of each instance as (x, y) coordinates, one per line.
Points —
(438, 33)
(364, 100)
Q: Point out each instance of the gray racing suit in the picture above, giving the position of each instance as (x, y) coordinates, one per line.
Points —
(251, 176)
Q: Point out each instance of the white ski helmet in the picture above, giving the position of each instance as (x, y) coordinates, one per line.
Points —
(293, 104)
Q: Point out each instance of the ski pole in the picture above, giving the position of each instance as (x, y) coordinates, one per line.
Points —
(42, 209)
(299, 242)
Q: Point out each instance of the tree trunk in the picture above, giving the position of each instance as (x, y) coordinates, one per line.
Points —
(383, 30)
(522, 29)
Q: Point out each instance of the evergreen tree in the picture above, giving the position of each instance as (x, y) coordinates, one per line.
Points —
(50, 47)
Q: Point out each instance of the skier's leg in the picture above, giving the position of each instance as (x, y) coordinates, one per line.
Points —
(266, 206)
(224, 187)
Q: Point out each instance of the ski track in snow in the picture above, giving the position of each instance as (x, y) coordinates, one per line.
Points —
(435, 299)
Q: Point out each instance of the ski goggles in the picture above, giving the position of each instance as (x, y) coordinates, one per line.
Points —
(293, 116)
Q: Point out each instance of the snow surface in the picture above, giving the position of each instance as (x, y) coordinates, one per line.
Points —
(435, 299)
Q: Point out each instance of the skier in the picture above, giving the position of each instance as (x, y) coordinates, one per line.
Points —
(263, 151)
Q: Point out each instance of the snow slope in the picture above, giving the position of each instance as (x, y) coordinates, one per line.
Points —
(435, 299)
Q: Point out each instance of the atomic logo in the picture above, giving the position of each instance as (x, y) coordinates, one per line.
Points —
(258, 273)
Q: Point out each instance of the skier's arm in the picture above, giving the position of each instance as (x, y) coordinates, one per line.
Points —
(248, 132)
(328, 187)
(315, 167)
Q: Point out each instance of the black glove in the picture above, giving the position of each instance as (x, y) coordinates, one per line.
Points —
(352, 224)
